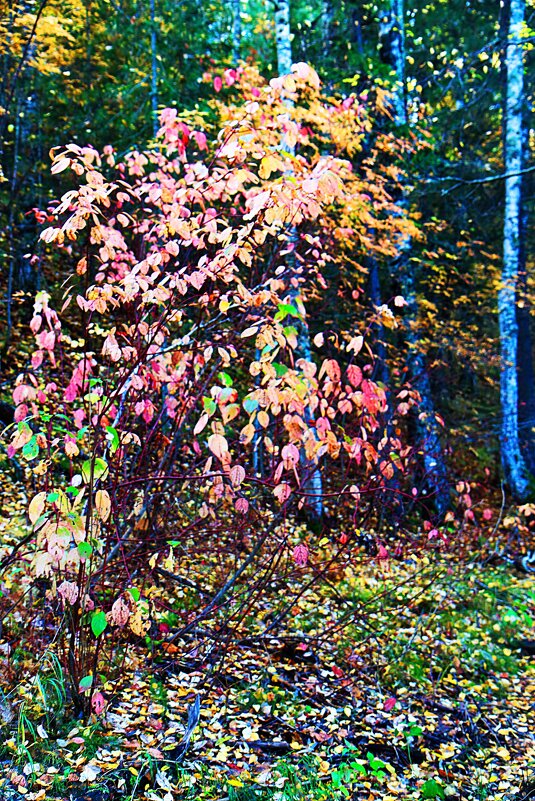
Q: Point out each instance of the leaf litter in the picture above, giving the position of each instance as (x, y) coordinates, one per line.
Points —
(402, 681)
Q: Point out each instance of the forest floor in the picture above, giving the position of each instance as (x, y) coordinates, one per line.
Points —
(417, 688)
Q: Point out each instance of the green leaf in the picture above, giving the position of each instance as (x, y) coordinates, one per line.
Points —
(225, 379)
(98, 623)
(289, 330)
(432, 789)
(375, 764)
(86, 682)
(113, 438)
(92, 397)
(95, 469)
(85, 550)
(209, 405)
(135, 593)
(285, 309)
(31, 449)
(280, 369)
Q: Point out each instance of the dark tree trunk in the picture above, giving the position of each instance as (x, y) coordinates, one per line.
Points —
(428, 443)
(526, 371)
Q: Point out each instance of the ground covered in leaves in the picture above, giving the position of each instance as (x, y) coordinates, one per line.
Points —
(398, 679)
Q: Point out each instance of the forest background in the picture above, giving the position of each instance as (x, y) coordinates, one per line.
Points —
(265, 338)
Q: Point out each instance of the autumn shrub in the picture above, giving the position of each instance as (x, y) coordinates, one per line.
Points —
(184, 347)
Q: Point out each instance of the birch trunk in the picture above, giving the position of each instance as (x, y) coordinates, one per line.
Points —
(427, 429)
(154, 68)
(526, 371)
(513, 464)
(236, 31)
(312, 481)
(283, 36)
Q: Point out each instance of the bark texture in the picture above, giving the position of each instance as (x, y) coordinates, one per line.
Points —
(154, 69)
(283, 37)
(311, 483)
(514, 467)
(236, 31)
(428, 442)
(526, 371)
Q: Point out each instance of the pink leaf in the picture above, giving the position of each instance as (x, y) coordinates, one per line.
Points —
(230, 77)
(21, 412)
(389, 704)
(218, 445)
(354, 374)
(282, 492)
(98, 703)
(300, 555)
(37, 359)
(237, 475)
(382, 553)
(290, 456)
(120, 612)
(35, 324)
(200, 139)
(242, 505)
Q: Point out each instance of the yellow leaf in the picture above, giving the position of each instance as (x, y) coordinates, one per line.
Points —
(37, 507)
(103, 504)
(268, 165)
(263, 419)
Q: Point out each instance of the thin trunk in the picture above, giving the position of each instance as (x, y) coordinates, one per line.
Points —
(427, 429)
(312, 481)
(513, 464)
(154, 68)
(380, 370)
(398, 54)
(283, 37)
(236, 31)
(258, 439)
(327, 27)
(356, 30)
(526, 372)
(11, 233)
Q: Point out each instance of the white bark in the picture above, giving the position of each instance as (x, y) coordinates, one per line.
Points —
(236, 31)
(312, 481)
(283, 36)
(154, 69)
(397, 22)
(512, 461)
